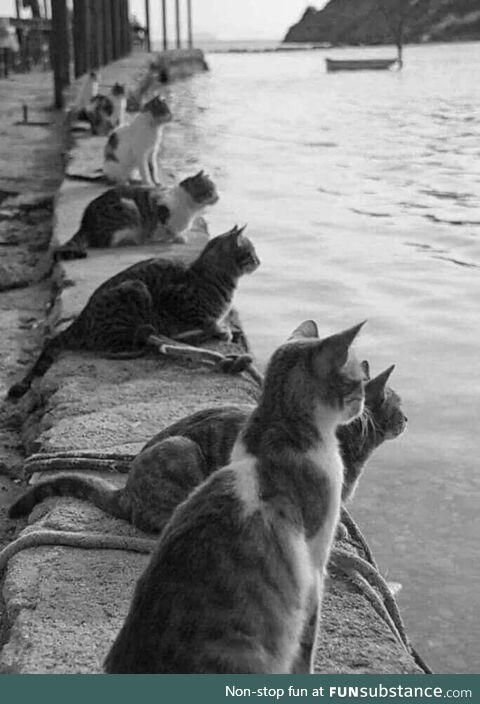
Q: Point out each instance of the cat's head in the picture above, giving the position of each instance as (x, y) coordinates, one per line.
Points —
(383, 407)
(321, 376)
(232, 252)
(158, 109)
(118, 90)
(200, 188)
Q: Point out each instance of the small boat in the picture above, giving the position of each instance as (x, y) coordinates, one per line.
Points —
(359, 64)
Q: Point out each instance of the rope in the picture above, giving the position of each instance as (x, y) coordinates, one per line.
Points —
(362, 574)
(365, 577)
(99, 541)
(227, 364)
(60, 463)
(356, 536)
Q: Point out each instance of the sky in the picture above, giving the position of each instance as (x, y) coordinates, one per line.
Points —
(225, 19)
(234, 19)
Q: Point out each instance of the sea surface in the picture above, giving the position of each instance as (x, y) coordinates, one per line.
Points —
(362, 194)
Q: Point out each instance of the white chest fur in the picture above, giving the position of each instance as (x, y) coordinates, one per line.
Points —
(183, 209)
(326, 457)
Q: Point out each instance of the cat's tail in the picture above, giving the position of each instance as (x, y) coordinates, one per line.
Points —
(50, 350)
(75, 248)
(94, 489)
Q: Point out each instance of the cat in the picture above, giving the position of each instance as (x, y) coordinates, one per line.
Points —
(137, 214)
(383, 419)
(156, 296)
(88, 91)
(185, 453)
(237, 574)
(137, 145)
(104, 112)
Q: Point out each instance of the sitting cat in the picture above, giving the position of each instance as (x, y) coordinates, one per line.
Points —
(185, 453)
(235, 583)
(88, 90)
(137, 214)
(105, 112)
(137, 145)
(156, 296)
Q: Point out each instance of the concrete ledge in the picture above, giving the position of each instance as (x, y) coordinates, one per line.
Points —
(178, 63)
(65, 605)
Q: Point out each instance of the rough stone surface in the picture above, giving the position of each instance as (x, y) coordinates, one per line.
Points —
(65, 605)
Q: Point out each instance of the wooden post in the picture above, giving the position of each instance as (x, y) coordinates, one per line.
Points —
(164, 25)
(95, 34)
(17, 8)
(189, 24)
(124, 25)
(121, 24)
(59, 49)
(107, 32)
(129, 29)
(45, 9)
(81, 36)
(147, 25)
(177, 23)
(117, 48)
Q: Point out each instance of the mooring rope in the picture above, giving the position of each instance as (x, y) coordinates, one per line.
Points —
(364, 575)
(233, 363)
(98, 541)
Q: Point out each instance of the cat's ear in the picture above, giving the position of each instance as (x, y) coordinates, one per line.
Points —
(335, 348)
(307, 329)
(375, 388)
(238, 232)
(199, 175)
(366, 368)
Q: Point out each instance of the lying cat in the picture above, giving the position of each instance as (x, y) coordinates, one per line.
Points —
(156, 296)
(185, 453)
(235, 583)
(137, 214)
(137, 145)
(105, 112)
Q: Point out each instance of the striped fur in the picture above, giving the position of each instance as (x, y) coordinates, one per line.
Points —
(156, 296)
(237, 574)
(138, 214)
(160, 480)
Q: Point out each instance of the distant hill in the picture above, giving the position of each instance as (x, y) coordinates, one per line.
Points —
(362, 22)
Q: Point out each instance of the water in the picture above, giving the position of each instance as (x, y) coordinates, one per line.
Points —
(361, 192)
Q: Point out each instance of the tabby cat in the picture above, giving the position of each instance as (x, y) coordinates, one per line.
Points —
(105, 112)
(156, 296)
(137, 214)
(238, 571)
(137, 145)
(185, 453)
(382, 419)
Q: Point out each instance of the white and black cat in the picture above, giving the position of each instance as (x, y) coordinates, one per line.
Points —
(105, 112)
(88, 91)
(135, 214)
(136, 146)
